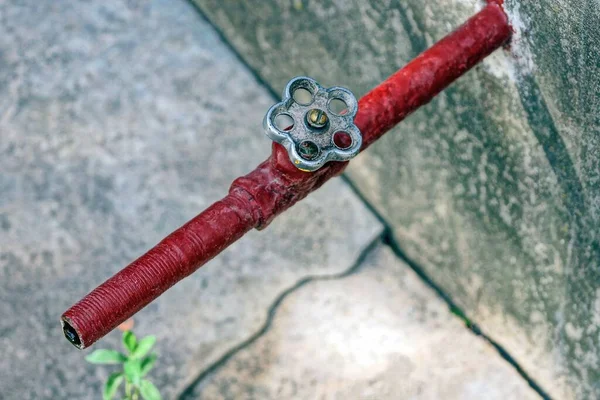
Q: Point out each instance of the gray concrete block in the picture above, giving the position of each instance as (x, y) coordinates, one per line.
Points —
(493, 187)
(379, 333)
(119, 121)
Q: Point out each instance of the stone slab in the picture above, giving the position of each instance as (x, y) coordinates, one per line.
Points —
(379, 333)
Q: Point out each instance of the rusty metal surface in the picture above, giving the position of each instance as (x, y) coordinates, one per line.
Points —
(276, 184)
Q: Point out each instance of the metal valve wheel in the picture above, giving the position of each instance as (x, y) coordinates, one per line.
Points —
(315, 124)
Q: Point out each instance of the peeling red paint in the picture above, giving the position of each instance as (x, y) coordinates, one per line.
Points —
(430, 72)
(275, 185)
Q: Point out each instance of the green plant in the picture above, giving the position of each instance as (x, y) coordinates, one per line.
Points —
(136, 365)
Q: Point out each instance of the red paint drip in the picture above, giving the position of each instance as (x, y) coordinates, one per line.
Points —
(275, 185)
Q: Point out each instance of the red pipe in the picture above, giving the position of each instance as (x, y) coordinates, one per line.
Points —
(275, 185)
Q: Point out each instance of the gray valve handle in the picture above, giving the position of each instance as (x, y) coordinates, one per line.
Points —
(315, 124)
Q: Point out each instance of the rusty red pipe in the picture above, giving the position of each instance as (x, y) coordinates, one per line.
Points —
(275, 185)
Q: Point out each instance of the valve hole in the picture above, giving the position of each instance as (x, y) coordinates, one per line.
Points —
(303, 96)
(338, 106)
(284, 122)
(308, 150)
(342, 140)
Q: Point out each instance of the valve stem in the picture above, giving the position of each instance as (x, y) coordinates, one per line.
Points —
(317, 118)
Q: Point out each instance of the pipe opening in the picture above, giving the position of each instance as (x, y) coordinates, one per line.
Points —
(71, 334)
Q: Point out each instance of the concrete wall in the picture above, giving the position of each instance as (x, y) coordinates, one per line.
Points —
(494, 187)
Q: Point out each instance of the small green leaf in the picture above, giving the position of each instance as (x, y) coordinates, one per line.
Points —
(129, 341)
(149, 391)
(112, 385)
(148, 363)
(144, 347)
(104, 356)
(133, 371)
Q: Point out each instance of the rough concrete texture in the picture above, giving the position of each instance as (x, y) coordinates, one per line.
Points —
(119, 121)
(378, 333)
(494, 187)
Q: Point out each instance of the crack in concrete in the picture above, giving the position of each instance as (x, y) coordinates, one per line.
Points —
(389, 240)
(188, 390)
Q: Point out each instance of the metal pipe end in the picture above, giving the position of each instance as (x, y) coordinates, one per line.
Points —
(71, 333)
